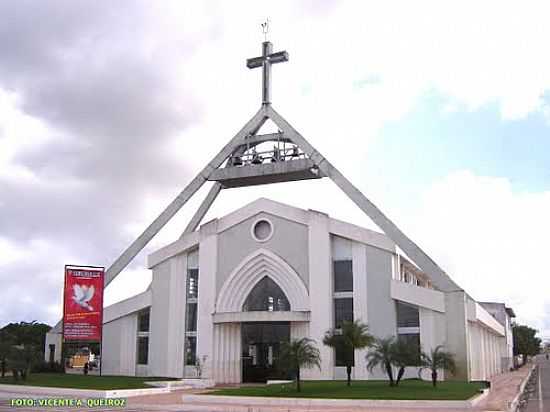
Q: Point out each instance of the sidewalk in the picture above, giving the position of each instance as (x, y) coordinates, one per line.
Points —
(504, 388)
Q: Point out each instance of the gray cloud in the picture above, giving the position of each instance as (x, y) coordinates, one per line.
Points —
(113, 103)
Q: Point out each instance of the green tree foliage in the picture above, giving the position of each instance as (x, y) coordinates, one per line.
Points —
(525, 341)
(382, 355)
(437, 359)
(298, 354)
(404, 354)
(28, 333)
(6, 343)
(352, 335)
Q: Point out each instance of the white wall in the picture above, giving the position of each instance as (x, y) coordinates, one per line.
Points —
(320, 291)
(208, 256)
(53, 339)
(119, 346)
(167, 318)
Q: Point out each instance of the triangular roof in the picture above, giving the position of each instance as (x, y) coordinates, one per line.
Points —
(310, 164)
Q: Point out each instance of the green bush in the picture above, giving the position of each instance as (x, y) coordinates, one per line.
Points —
(47, 367)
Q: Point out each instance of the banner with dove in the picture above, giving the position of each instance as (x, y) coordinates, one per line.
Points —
(83, 303)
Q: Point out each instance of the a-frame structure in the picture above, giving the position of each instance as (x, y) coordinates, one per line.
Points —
(239, 163)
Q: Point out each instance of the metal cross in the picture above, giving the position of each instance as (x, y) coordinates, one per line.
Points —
(265, 61)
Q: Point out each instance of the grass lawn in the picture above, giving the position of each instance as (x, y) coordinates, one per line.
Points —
(410, 389)
(61, 380)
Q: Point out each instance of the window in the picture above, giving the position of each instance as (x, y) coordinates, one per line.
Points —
(190, 350)
(342, 355)
(407, 316)
(262, 230)
(266, 296)
(143, 350)
(343, 311)
(411, 340)
(343, 275)
(191, 318)
(192, 283)
(143, 321)
(191, 308)
(143, 336)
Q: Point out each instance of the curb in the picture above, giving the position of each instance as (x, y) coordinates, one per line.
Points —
(84, 393)
(258, 401)
(515, 403)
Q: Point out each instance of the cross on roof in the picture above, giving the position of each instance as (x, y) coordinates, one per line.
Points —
(265, 61)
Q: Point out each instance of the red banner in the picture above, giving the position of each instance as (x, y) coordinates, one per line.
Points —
(83, 303)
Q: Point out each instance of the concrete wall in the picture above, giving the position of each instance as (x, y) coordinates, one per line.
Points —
(53, 339)
(167, 322)
(119, 346)
(320, 291)
(457, 340)
(380, 306)
(208, 257)
(289, 240)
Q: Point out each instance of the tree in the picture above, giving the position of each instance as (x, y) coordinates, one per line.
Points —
(381, 354)
(6, 343)
(297, 354)
(22, 358)
(351, 336)
(404, 354)
(437, 359)
(525, 341)
(28, 333)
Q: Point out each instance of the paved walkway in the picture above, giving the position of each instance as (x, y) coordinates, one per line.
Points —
(504, 388)
(539, 400)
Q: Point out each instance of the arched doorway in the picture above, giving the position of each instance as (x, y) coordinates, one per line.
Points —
(261, 341)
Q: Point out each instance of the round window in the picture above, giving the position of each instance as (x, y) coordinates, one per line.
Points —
(262, 230)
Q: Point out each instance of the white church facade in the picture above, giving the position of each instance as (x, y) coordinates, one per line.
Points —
(227, 293)
(230, 292)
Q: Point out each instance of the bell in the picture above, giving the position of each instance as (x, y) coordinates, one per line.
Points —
(237, 161)
(256, 159)
(295, 151)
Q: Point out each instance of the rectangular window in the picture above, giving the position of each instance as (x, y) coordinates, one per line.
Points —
(412, 340)
(343, 311)
(192, 283)
(190, 350)
(343, 275)
(143, 350)
(143, 320)
(191, 318)
(342, 356)
(407, 316)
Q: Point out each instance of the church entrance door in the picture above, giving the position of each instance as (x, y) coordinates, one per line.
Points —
(261, 343)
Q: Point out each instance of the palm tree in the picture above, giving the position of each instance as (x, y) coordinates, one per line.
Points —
(351, 336)
(297, 354)
(382, 355)
(437, 359)
(404, 354)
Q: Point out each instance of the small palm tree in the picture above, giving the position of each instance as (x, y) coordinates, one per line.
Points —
(297, 354)
(382, 355)
(404, 354)
(351, 336)
(437, 359)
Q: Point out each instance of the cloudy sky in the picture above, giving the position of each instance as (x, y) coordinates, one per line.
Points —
(438, 112)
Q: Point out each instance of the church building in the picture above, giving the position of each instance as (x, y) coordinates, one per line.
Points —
(227, 293)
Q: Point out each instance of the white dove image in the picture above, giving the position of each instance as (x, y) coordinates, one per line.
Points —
(82, 295)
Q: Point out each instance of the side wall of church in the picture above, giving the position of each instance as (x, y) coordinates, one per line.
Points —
(380, 306)
(167, 318)
(119, 346)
